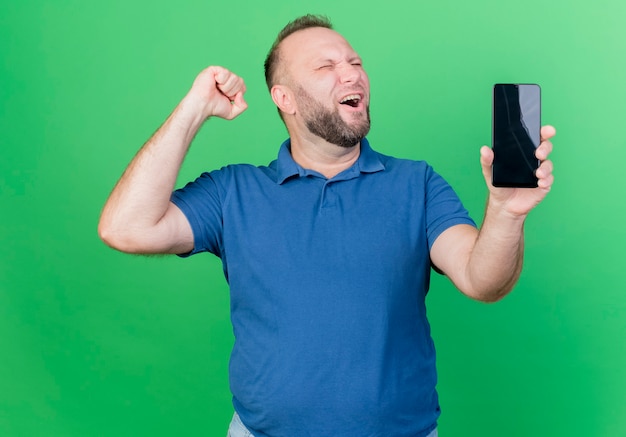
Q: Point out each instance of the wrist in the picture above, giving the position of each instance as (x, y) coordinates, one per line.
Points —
(192, 111)
(500, 211)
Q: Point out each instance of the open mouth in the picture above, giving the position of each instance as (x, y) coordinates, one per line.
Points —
(352, 100)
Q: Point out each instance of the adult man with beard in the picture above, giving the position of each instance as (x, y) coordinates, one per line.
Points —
(327, 250)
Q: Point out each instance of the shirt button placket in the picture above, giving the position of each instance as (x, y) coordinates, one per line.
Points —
(330, 195)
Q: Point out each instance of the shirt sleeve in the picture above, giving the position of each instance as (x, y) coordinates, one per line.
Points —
(443, 207)
(201, 201)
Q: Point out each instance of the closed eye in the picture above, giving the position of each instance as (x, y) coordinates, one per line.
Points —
(356, 61)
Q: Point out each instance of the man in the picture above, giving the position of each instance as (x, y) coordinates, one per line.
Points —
(327, 250)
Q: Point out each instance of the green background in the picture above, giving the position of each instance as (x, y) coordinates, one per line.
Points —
(95, 342)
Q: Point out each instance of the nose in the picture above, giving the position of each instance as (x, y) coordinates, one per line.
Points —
(349, 73)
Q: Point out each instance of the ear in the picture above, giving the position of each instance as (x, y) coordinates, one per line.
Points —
(283, 98)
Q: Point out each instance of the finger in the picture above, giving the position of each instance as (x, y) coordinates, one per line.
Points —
(546, 183)
(544, 150)
(544, 170)
(221, 74)
(547, 132)
(230, 84)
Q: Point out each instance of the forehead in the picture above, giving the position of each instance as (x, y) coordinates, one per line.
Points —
(309, 45)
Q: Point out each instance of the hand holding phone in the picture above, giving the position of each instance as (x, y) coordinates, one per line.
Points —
(516, 127)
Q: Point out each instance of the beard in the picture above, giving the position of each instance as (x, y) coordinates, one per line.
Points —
(329, 125)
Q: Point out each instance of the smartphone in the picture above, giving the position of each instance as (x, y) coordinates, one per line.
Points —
(516, 127)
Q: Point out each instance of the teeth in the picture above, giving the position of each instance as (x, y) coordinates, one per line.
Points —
(351, 97)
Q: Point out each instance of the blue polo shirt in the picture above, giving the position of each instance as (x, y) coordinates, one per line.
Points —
(328, 279)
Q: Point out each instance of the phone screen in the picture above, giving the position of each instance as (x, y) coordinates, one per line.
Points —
(516, 134)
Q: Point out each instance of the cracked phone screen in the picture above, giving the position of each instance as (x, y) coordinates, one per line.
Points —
(516, 134)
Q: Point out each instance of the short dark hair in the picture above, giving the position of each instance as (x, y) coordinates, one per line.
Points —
(300, 23)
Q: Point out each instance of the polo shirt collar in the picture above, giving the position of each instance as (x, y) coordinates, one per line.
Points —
(368, 162)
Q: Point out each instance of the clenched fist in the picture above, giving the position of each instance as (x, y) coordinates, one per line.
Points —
(219, 92)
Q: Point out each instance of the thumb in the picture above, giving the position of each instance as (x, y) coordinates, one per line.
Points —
(238, 105)
(486, 160)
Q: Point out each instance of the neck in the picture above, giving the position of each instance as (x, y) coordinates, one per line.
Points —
(323, 157)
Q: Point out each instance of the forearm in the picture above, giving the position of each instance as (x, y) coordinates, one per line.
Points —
(141, 197)
(495, 263)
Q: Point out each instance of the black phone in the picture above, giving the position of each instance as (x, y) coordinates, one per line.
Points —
(516, 128)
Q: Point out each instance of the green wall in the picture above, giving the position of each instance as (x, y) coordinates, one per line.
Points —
(94, 342)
